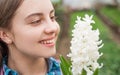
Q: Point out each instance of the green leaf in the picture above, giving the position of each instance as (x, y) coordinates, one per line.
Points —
(64, 61)
(65, 66)
(63, 69)
(84, 72)
(96, 72)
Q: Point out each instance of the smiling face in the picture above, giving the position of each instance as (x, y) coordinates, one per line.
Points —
(34, 29)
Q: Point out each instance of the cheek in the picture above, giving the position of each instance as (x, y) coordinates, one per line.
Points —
(26, 41)
(26, 36)
(23, 40)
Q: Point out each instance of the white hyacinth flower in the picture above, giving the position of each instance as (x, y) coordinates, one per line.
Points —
(84, 46)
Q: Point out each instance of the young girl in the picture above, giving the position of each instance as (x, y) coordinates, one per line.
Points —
(28, 34)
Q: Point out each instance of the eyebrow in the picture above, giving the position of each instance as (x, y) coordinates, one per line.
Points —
(39, 14)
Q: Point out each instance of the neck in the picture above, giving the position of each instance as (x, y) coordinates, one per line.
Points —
(27, 65)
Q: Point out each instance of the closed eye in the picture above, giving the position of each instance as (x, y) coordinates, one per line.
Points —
(36, 21)
(53, 18)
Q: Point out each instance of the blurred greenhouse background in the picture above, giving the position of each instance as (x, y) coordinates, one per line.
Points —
(106, 14)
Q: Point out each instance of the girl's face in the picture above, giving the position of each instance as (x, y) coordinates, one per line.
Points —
(34, 29)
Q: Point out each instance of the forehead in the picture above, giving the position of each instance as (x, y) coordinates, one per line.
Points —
(33, 6)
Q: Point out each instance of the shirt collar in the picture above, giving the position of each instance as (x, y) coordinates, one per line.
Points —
(53, 65)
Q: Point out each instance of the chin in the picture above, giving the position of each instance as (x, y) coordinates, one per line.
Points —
(51, 54)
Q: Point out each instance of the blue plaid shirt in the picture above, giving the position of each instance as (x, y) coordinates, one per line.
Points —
(54, 68)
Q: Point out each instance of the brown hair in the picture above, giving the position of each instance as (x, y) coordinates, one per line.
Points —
(7, 12)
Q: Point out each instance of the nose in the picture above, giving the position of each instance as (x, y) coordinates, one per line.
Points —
(51, 28)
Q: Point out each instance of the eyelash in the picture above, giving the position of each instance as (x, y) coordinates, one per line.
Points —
(53, 18)
(36, 21)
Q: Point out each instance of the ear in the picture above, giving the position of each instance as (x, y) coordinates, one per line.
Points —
(5, 36)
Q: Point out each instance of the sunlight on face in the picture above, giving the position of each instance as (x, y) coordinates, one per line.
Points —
(34, 29)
